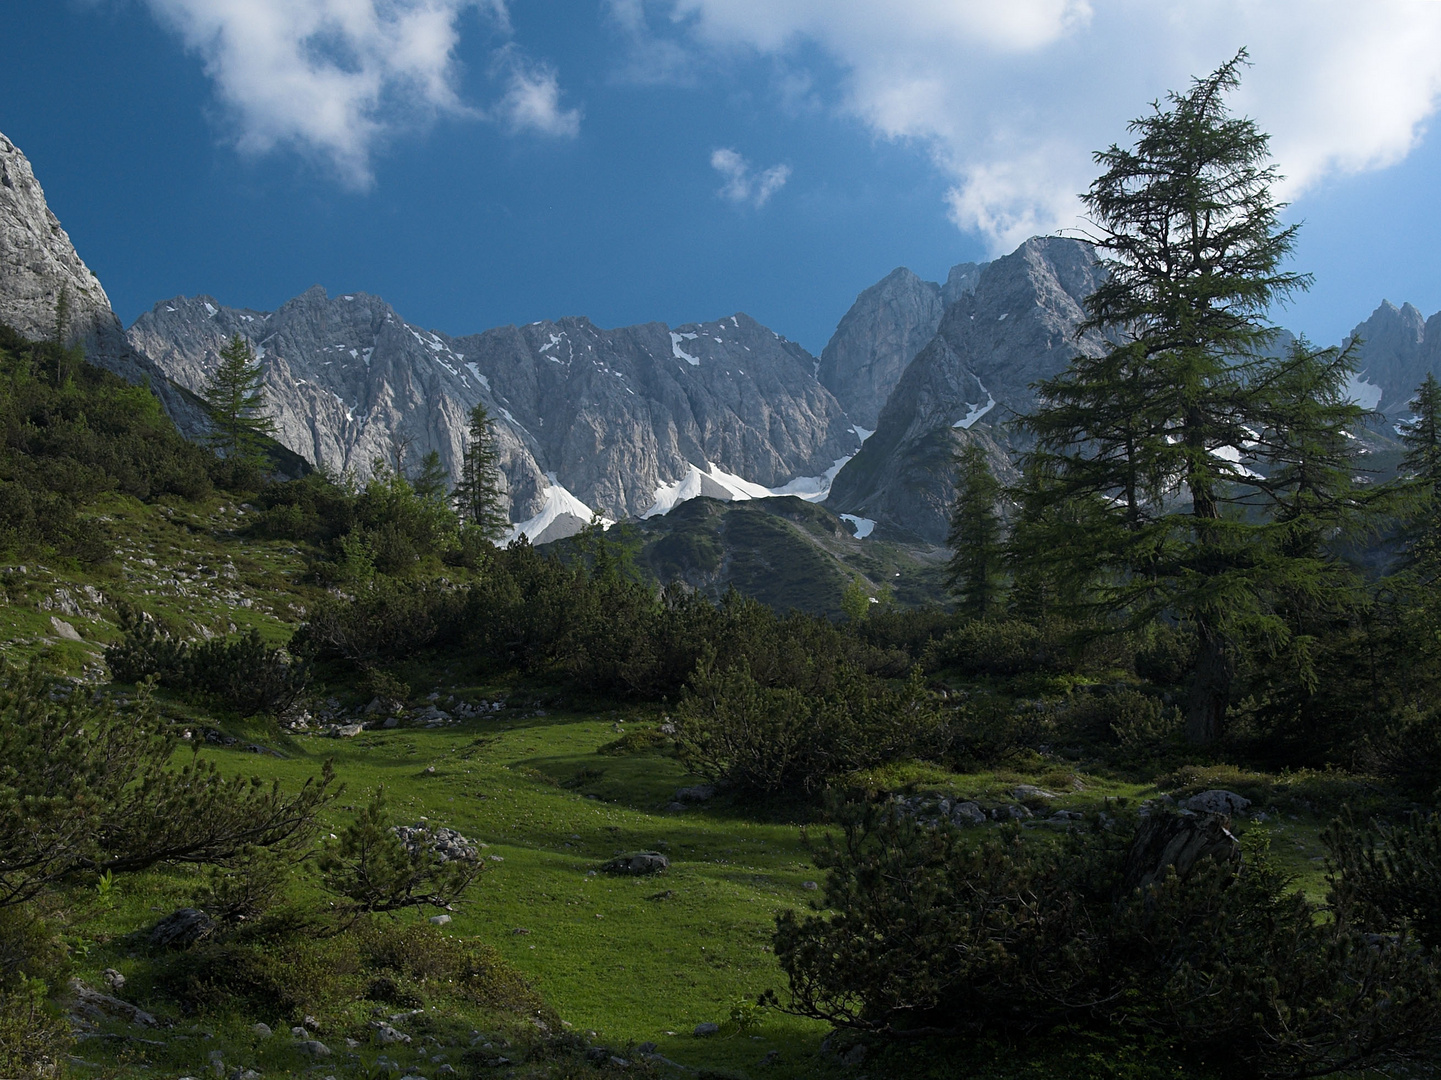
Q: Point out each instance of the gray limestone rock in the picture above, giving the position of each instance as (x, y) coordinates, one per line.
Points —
(1397, 348)
(37, 260)
(1167, 840)
(1017, 326)
(885, 328)
(585, 418)
(1216, 801)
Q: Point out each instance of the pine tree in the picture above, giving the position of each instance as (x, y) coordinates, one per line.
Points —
(975, 571)
(430, 484)
(478, 496)
(1151, 433)
(236, 399)
(1421, 470)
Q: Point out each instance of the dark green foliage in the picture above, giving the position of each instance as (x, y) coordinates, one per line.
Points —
(1388, 879)
(1194, 248)
(975, 570)
(384, 620)
(930, 932)
(478, 497)
(781, 739)
(995, 647)
(241, 673)
(88, 786)
(369, 869)
(236, 398)
(63, 446)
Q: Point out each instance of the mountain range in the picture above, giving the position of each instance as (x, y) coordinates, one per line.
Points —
(629, 422)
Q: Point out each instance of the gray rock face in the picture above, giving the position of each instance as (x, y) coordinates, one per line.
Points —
(1399, 348)
(586, 419)
(1178, 841)
(1017, 326)
(882, 332)
(37, 260)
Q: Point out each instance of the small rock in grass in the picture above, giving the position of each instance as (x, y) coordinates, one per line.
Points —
(385, 1035)
(262, 1031)
(314, 1047)
(809, 886)
(347, 731)
(1029, 793)
(113, 978)
(439, 920)
(637, 863)
(181, 929)
(706, 1029)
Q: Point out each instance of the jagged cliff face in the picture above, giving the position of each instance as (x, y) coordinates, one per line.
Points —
(587, 419)
(1017, 326)
(619, 415)
(882, 332)
(37, 261)
(1398, 348)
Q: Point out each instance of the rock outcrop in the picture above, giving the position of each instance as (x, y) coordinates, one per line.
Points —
(38, 261)
(882, 332)
(1397, 349)
(1018, 325)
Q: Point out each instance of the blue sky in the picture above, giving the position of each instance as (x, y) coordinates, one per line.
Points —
(478, 162)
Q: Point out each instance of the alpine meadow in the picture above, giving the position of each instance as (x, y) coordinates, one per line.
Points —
(1044, 681)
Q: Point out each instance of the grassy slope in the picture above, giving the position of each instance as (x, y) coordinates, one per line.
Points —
(632, 960)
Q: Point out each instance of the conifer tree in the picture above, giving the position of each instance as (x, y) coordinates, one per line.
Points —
(478, 496)
(1421, 468)
(1191, 237)
(236, 399)
(975, 571)
(430, 484)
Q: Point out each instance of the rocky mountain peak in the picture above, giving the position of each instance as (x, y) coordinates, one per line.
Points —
(1016, 325)
(1396, 348)
(882, 332)
(37, 261)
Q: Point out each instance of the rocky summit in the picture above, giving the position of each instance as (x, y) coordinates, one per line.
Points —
(1396, 349)
(38, 261)
(882, 332)
(1016, 326)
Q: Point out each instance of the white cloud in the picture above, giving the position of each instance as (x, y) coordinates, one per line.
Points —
(743, 185)
(333, 77)
(532, 99)
(1012, 98)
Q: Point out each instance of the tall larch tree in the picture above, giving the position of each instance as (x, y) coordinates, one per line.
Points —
(1155, 431)
(236, 398)
(478, 495)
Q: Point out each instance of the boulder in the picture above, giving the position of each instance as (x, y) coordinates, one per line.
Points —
(1216, 801)
(314, 1048)
(706, 1029)
(347, 731)
(1031, 793)
(637, 863)
(967, 813)
(698, 793)
(385, 1035)
(1176, 840)
(181, 929)
(93, 1005)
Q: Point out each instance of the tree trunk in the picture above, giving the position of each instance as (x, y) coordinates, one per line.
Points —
(1210, 688)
